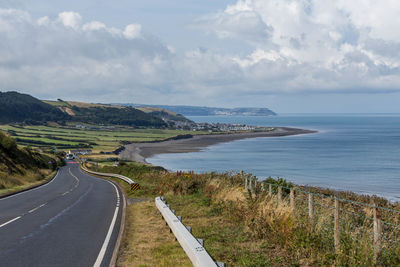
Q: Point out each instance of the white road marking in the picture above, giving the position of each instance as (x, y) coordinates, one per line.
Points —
(38, 207)
(110, 230)
(10, 221)
(32, 189)
(76, 178)
(76, 184)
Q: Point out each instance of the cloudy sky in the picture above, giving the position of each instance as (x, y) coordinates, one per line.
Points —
(289, 55)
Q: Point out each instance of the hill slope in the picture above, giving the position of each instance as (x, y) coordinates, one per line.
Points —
(151, 116)
(16, 107)
(19, 166)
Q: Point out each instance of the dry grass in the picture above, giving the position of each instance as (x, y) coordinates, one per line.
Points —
(21, 182)
(147, 240)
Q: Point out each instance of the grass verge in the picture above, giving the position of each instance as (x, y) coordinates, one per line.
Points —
(147, 241)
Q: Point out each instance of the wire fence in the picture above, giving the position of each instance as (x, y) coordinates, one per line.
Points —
(352, 229)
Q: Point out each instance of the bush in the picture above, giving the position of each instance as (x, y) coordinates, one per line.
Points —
(7, 143)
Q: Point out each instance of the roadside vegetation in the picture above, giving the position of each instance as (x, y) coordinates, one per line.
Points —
(21, 168)
(243, 228)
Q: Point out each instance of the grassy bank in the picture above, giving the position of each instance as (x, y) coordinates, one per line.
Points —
(29, 180)
(252, 229)
(21, 168)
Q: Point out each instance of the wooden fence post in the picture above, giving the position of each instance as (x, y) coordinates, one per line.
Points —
(311, 208)
(270, 190)
(245, 183)
(292, 199)
(252, 187)
(262, 186)
(336, 226)
(279, 194)
(377, 233)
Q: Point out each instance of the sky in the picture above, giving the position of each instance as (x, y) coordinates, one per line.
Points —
(293, 56)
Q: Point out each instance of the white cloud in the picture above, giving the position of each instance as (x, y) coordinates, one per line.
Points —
(43, 21)
(132, 31)
(93, 26)
(70, 19)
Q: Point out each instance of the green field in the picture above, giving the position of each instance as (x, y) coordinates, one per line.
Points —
(97, 139)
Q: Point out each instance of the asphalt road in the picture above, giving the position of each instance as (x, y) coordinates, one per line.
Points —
(72, 221)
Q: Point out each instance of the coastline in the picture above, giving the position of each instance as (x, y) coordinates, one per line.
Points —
(141, 151)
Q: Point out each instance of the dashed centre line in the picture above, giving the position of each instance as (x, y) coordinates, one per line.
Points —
(38, 207)
(76, 184)
(10, 221)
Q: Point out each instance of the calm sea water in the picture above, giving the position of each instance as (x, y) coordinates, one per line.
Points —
(360, 153)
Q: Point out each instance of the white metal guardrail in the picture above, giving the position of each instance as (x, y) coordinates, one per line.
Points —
(126, 179)
(192, 246)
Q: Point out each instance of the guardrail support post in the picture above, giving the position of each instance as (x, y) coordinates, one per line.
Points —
(336, 226)
(377, 233)
(311, 208)
(292, 199)
(201, 241)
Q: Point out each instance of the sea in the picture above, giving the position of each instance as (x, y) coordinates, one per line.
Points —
(356, 152)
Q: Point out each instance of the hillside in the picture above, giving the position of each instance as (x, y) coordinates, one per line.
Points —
(77, 109)
(107, 114)
(210, 111)
(19, 166)
(23, 108)
(164, 114)
(16, 107)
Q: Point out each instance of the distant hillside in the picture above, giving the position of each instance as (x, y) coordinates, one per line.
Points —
(211, 111)
(79, 109)
(16, 107)
(23, 108)
(164, 114)
(19, 166)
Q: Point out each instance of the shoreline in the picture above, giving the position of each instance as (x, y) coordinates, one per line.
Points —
(141, 151)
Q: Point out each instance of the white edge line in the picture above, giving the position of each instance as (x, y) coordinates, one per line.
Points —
(30, 190)
(10, 221)
(109, 233)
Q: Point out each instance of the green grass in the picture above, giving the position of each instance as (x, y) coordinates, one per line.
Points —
(65, 137)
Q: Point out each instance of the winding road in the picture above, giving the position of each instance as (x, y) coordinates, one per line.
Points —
(74, 220)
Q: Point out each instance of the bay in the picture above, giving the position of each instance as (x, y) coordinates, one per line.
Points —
(356, 152)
